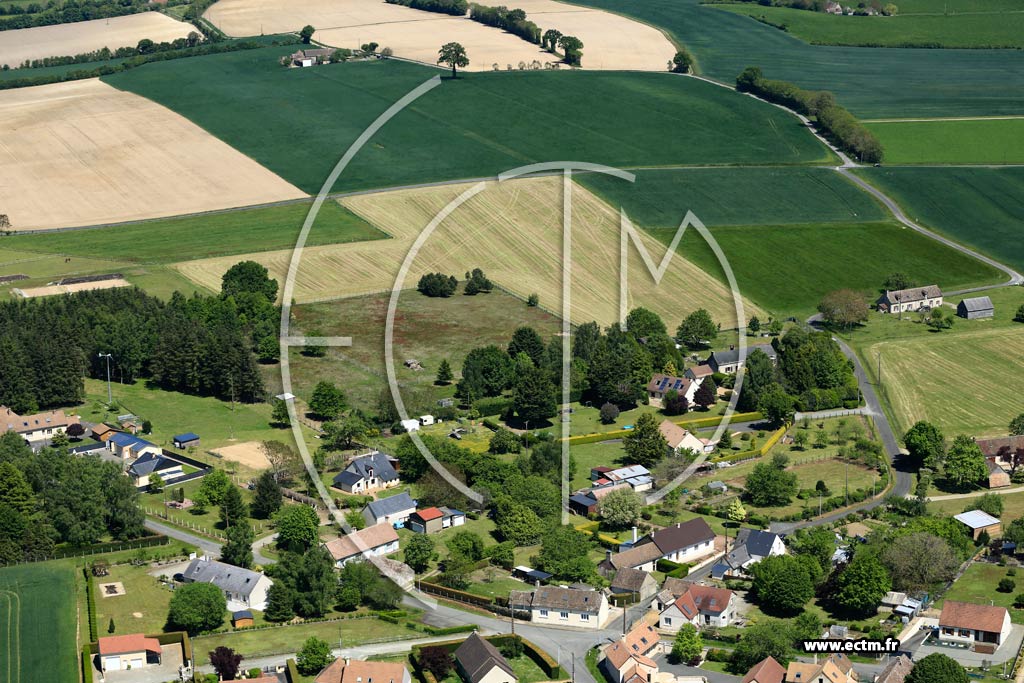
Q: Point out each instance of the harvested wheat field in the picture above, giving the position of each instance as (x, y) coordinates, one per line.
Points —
(84, 153)
(611, 41)
(249, 453)
(50, 290)
(62, 40)
(513, 231)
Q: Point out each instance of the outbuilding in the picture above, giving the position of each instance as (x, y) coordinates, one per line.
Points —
(186, 440)
(980, 522)
(975, 308)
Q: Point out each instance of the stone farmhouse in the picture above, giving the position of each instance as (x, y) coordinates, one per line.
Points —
(910, 300)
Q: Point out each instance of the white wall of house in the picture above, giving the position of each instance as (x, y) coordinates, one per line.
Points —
(555, 617)
(400, 517)
(385, 549)
(690, 553)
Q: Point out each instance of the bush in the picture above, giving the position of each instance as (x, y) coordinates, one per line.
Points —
(1006, 586)
(437, 285)
(504, 441)
(609, 413)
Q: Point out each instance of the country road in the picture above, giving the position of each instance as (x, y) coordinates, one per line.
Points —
(206, 545)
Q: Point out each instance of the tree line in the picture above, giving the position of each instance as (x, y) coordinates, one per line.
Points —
(198, 345)
(47, 498)
(837, 123)
(73, 11)
(453, 7)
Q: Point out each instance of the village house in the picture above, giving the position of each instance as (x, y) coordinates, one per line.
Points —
(836, 668)
(896, 671)
(980, 522)
(367, 473)
(1005, 451)
(36, 428)
(976, 308)
(393, 510)
(129, 446)
(131, 651)
(373, 541)
(580, 607)
(311, 57)
(681, 542)
(661, 384)
(983, 628)
(750, 547)
(910, 300)
(698, 373)
(148, 464)
(729, 362)
(680, 439)
(432, 520)
(766, 671)
(629, 581)
(480, 662)
(345, 670)
(700, 606)
(243, 588)
(631, 655)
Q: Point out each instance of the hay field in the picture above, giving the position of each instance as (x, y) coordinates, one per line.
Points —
(85, 36)
(611, 41)
(513, 231)
(84, 153)
(965, 383)
(50, 290)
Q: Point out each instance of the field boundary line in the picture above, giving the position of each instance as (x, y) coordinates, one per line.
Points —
(13, 634)
(1007, 117)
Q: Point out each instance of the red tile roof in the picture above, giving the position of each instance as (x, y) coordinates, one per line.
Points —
(428, 514)
(134, 642)
(967, 615)
(766, 671)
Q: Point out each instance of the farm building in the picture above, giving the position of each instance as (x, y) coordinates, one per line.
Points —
(909, 300)
(311, 57)
(132, 651)
(102, 431)
(480, 662)
(1008, 451)
(530, 575)
(997, 476)
(979, 522)
(729, 362)
(978, 307)
(432, 520)
(186, 440)
(983, 628)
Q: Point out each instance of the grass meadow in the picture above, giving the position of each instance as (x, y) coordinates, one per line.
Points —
(978, 141)
(980, 207)
(173, 240)
(871, 82)
(992, 27)
(977, 585)
(38, 624)
(298, 122)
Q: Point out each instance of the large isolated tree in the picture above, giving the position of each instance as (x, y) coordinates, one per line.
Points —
(296, 528)
(454, 55)
(697, 330)
(926, 446)
(419, 552)
(862, 585)
(645, 445)
(620, 509)
(937, 668)
(314, 656)
(767, 638)
(783, 584)
(197, 607)
(843, 308)
(327, 401)
(769, 485)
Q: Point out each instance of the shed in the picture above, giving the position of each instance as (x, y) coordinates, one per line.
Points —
(186, 440)
(426, 420)
(242, 619)
(530, 575)
(975, 308)
(979, 522)
(411, 425)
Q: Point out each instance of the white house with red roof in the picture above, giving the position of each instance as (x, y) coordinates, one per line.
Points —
(980, 627)
(701, 606)
(131, 651)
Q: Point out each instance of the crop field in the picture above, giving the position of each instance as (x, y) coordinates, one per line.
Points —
(83, 153)
(660, 198)
(611, 41)
(965, 383)
(871, 82)
(980, 207)
(171, 240)
(38, 624)
(512, 230)
(298, 122)
(943, 141)
(427, 329)
(85, 36)
(983, 28)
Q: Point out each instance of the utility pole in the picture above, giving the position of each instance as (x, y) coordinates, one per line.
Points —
(879, 368)
(110, 397)
(847, 484)
(574, 667)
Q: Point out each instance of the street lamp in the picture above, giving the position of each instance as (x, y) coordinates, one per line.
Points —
(110, 398)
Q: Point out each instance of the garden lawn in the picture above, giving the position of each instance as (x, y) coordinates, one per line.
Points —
(289, 639)
(38, 623)
(871, 82)
(498, 586)
(979, 141)
(298, 122)
(980, 207)
(173, 240)
(588, 455)
(984, 28)
(143, 607)
(978, 585)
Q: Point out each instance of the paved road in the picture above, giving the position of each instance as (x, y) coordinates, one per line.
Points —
(207, 545)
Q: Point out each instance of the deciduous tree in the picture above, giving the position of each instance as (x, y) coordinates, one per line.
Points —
(688, 645)
(620, 509)
(644, 444)
(697, 330)
(454, 55)
(197, 607)
(843, 308)
(314, 656)
(965, 463)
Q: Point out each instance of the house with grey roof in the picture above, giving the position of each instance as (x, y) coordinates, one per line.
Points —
(368, 473)
(581, 607)
(149, 463)
(910, 300)
(976, 308)
(480, 662)
(393, 510)
(752, 546)
(730, 361)
(243, 588)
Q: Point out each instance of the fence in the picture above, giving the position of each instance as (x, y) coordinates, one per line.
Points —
(162, 515)
(689, 423)
(99, 549)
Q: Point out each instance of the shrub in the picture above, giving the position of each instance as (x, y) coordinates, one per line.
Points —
(609, 413)
(1006, 586)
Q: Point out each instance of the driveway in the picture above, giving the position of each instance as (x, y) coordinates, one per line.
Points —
(171, 659)
(967, 658)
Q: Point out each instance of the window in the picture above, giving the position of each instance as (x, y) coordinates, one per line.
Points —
(584, 617)
(543, 612)
(668, 621)
(563, 615)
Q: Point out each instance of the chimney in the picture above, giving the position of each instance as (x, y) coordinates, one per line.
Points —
(608, 555)
(634, 534)
(347, 661)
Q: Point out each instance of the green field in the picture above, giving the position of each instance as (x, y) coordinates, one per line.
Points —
(173, 240)
(973, 29)
(288, 639)
(298, 123)
(980, 207)
(979, 141)
(977, 585)
(871, 82)
(38, 639)
(736, 196)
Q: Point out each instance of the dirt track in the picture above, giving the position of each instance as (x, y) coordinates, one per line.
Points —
(83, 152)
